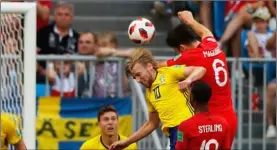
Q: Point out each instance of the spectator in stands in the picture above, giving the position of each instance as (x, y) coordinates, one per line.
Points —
(272, 8)
(204, 10)
(62, 80)
(57, 38)
(106, 78)
(43, 13)
(87, 45)
(271, 93)
(256, 39)
(239, 14)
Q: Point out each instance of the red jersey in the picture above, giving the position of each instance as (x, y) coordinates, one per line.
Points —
(41, 23)
(209, 56)
(203, 131)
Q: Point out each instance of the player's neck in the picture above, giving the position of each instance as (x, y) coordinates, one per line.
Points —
(194, 44)
(201, 109)
(109, 140)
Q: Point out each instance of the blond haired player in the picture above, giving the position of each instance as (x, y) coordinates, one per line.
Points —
(108, 123)
(165, 101)
(10, 135)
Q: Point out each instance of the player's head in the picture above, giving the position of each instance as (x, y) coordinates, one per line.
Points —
(142, 66)
(108, 121)
(201, 93)
(182, 38)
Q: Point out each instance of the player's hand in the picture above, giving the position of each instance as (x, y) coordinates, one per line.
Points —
(183, 85)
(104, 52)
(186, 17)
(118, 145)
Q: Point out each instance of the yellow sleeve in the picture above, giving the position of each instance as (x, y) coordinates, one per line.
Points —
(132, 147)
(149, 105)
(13, 135)
(178, 72)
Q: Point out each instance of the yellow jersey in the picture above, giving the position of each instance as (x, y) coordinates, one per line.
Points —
(96, 143)
(165, 98)
(9, 133)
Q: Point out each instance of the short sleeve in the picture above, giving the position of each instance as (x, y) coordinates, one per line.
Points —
(209, 40)
(178, 60)
(132, 147)
(14, 135)
(149, 105)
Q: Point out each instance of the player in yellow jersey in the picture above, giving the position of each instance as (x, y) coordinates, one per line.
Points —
(10, 135)
(166, 103)
(108, 123)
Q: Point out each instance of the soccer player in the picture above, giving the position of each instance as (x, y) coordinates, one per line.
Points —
(108, 123)
(164, 99)
(204, 130)
(10, 135)
(206, 52)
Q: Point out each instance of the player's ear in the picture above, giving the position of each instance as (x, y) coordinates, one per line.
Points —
(182, 48)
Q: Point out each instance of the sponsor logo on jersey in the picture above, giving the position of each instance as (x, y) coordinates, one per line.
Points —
(180, 136)
(162, 79)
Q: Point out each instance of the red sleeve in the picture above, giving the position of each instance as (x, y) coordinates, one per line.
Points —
(182, 139)
(46, 3)
(178, 60)
(209, 40)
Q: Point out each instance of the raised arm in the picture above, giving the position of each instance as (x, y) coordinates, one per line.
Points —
(149, 126)
(187, 18)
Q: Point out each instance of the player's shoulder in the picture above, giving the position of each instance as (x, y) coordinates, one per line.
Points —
(166, 70)
(89, 144)
(130, 147)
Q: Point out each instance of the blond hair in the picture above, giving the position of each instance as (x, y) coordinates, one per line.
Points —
(142, 56)
(107, 38)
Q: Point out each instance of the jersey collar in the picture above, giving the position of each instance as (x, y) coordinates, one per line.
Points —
(103, 142)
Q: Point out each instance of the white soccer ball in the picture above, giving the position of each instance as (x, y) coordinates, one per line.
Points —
(141, 31)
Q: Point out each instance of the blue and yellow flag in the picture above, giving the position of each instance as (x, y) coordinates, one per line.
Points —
(67, 123)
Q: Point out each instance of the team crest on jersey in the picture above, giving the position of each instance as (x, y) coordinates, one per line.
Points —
(18, 132)
(176, 57)
(162, 79)
(180, 136)
(177, 66)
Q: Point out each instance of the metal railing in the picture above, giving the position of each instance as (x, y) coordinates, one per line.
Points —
(252, 125)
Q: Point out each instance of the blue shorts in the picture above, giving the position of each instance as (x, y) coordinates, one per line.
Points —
(173, 137)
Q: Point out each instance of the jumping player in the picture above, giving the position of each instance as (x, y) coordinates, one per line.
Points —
(185, 40)
(10, 135)
(108, 123)
(203, 130)
(164, 99)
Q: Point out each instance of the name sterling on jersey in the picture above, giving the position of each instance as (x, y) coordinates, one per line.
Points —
(210, 128)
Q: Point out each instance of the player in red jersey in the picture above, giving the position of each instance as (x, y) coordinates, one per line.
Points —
(204, 51)
(204, 130)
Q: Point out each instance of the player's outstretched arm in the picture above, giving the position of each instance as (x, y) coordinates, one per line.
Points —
(20, 145)
(192, 74)
(187, 18)
(149, 126)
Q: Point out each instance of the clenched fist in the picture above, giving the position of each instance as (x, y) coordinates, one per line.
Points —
(186, 17)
